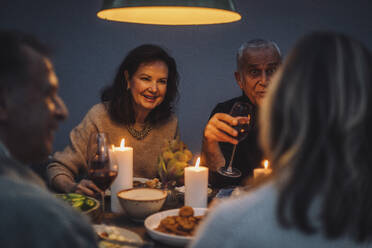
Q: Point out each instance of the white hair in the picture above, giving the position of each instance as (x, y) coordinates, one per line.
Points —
(255, 44)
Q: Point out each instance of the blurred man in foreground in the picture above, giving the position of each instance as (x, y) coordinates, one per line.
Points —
(257, 60)
(30, 110)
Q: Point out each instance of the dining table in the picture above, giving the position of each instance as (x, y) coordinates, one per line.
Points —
(123, 221)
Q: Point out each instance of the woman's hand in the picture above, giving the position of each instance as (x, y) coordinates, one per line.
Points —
(68, 185)
(86, 187)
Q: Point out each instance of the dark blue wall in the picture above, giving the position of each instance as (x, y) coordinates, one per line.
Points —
(88, 50)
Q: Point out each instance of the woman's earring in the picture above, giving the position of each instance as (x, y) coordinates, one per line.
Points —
(128, 87)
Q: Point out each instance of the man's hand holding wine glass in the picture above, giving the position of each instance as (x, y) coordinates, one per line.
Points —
(220, 129)
(223, 127)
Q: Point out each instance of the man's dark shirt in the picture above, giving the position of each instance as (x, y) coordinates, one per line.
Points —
(248, 155)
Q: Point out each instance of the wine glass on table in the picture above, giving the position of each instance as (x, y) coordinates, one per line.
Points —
(100, 171)
(243, 112)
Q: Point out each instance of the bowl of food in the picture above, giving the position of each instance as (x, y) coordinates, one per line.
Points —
(82, 203)
(139, 203)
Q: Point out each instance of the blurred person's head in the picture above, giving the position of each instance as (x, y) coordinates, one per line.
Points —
(146, 83)
(257, 60)
(30, 107)
(316, 131)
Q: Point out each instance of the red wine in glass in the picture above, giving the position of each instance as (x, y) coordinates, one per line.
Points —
(243, 110)
(242, 128)
(99, 169)
(101, 174)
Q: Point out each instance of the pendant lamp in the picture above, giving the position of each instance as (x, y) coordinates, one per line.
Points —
(170, 12)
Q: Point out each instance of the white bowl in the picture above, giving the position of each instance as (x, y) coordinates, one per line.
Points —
(139, 203)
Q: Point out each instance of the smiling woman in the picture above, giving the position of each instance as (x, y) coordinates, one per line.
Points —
(148, 87)
(137, 106)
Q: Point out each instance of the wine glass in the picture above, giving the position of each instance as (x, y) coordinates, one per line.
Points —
(99, 169)
(241, 110)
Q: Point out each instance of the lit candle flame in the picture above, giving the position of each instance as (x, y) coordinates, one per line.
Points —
(197, 163)
(266, 164)
(122, 144)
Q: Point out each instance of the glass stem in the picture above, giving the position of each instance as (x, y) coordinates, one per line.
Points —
(229, 167)
(103, 201)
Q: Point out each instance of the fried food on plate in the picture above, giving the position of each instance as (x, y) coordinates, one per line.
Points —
(186, 211)
(150, 183)
(184, 224)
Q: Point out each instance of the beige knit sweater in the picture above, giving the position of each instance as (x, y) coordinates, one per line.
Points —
(73, 159)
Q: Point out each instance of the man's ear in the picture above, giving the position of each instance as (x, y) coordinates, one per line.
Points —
(238, 79)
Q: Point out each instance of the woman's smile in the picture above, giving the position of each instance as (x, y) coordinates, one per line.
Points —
(148, 86)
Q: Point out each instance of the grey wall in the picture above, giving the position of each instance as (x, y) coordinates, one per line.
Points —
(88, 50)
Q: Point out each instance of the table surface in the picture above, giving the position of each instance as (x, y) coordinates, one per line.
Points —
(122, 220)
(137, 227)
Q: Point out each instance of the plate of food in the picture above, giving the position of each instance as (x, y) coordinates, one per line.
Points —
(176, 226)
(139, 182)
(181, 190)
(115, 233)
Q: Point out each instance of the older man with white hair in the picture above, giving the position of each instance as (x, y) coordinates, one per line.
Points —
(257, 60)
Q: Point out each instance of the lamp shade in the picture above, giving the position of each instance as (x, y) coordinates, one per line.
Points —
(170, 12)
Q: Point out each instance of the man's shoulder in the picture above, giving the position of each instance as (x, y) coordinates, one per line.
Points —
(12, 169)
(231, 101)
(23, 196)
(225, 107)
(24, 191)
(40, 217)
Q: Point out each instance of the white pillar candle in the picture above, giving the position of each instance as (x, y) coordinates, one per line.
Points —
(123, 157)
(196, 186)
(262, 172)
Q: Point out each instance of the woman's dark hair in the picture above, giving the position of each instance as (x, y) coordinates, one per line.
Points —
(119, 99)
(316, 131)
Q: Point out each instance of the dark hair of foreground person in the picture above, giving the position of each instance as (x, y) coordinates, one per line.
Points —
(317, 131)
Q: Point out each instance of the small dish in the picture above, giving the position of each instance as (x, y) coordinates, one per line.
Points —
(140, 182)
(182, 190)
(116, 233)
(139, 203)
(85, 204)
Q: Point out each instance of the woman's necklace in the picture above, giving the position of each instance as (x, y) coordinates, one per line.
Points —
(139, 134)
